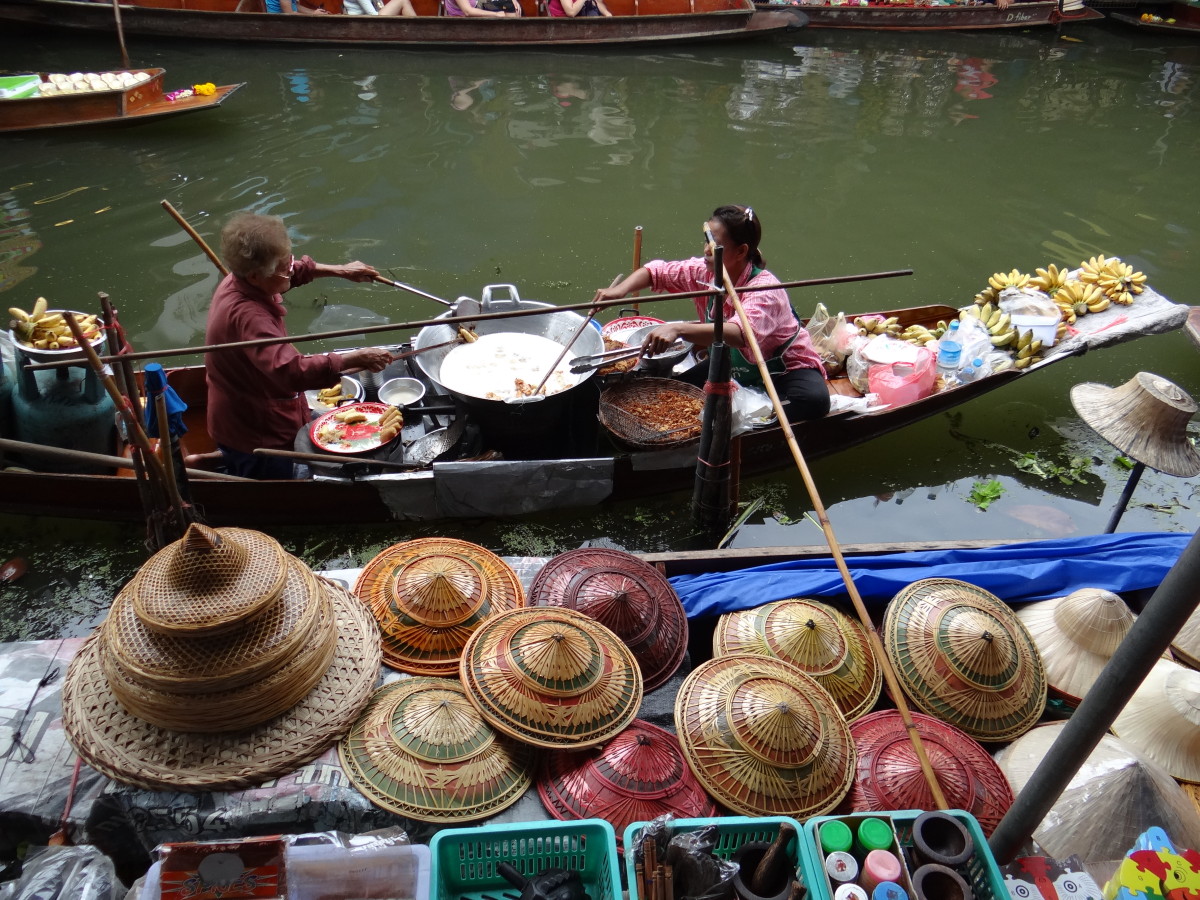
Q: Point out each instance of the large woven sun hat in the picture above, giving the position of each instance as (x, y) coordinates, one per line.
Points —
(818, 639)
(764, 738)
(237, 572)
(129, 749)
(1112, 799)
(623, 593)
(890, 777)
(1146, 418)
(1162, 719)
(421, 750)
(1075, 636)
(429, 595)
(1186, 644)
(551, 677)
(637, 776)
(964, 657)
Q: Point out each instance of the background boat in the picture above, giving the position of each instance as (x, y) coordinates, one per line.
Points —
(1176, 18)
(937, 17)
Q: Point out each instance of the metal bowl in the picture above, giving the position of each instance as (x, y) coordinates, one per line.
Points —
(662, 363)
(41, 356)
(401, 391)
(350, 388)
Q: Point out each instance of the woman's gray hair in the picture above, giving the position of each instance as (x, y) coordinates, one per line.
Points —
(253, 244)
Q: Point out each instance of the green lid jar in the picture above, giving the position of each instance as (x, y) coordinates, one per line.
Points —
(874, 834)
(836, 836)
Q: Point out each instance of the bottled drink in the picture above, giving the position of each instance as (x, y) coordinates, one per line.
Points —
(949, 354)
(972, 371)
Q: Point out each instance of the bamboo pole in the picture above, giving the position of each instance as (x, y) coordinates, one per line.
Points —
(889, 674)
(337, 460)
(99, 459)
(637, 258)
(167, 455)
(116, 5)
(183, 223)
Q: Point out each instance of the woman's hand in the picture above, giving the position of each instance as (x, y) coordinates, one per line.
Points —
(662, 337)
(358, 271)
(373, 359)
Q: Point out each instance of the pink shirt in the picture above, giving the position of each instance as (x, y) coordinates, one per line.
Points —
(252, 393)
(769, 312)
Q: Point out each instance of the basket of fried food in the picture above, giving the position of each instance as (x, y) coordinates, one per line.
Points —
(652, 413)
(620, 367)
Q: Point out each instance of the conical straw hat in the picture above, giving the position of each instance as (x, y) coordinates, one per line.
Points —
(890, 777)
(764, 738)
(421, 750)
(551, 677)
(1114, 797)
(1146, 418)
(1187, 642)
(816, 638)
(1075, 636)
(1162, 719)
(429, 595)
(624, 594)
(210, 581)
(965, 658)
(637, 776)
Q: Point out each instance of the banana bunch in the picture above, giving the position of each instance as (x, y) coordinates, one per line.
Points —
(331, 397)
(1115, 278)
(871, 325)
(988, 295)
(45, 330)
(1015, 279)
(1049, 280)
(1026, 350)
(1081, 298)
(920, 335)
(998, 324)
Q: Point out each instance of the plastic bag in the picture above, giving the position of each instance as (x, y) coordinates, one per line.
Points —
(699, 875)
(1027, 302)
(751, 408)
(903, 382)
(80, 873)
(974, 338)
(831, 337)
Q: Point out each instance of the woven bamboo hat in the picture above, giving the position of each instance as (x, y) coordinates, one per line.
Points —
(429, 595)
(1187, 642)
(126, 748)
(1162, 719)
(1146, 418)
(964, 657)
(626, 595)
(551, 677)
(818, 639)
(890, 777)
(1075, 636)
(637, 776)
(421, 750)
(764, 738)
(209, 582)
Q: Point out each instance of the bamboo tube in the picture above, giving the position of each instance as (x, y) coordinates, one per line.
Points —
(168, 461)
(889, 674)
(174, 213)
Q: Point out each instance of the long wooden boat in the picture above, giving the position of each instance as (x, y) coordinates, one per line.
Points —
(921, 16)
(526, 478)
(633, 23)
(1173, 18)
(134, 103)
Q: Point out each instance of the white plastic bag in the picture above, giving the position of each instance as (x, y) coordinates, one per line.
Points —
(751, 408)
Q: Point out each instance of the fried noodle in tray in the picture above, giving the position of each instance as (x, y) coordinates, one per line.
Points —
(652, 413)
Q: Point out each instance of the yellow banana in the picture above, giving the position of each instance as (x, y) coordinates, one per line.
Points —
(1024, 339)
(1049, 279)
(994, 319)
(19, 314)
(39, 308)
(1099, 305)
(1003, 340)
(1022, 362)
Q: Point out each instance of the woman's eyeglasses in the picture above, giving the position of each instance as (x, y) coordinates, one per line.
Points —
(286, 269)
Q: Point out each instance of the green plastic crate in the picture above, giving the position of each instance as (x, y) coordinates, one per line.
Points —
(733, 831)
(980, 871)
(19, 87)
(465, 860)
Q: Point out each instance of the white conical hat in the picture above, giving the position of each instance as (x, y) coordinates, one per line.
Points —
(1162, 719)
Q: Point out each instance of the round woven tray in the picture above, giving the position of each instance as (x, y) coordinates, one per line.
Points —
(890, 777)
(626, 595)
(210, 581)
(964, 657)
(551, 677)
(637, 776)
(421, 750)
(764, 738)
(818, 639)
(633, 412)
(127, 749)
(429, 596)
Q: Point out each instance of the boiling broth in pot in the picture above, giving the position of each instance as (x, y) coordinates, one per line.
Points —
(506, 366)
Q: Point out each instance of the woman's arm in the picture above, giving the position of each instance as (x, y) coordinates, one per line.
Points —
(355, 271)
(603, 9)
(638, 281)
(469, 10)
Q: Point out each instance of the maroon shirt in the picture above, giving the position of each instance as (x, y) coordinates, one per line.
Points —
(253, 398)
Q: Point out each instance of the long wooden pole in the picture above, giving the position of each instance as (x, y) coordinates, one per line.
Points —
(99, 459)
(893, 683)
(637, 258)
(566, 347)
(183, 223)
(116, 5)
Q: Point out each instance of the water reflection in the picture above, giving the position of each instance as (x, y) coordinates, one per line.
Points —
(17, 241)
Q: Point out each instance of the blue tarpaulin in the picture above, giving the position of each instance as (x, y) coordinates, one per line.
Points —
(155, 380)
(1016, 573)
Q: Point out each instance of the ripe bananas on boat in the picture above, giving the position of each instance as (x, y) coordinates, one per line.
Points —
(1117, 279)
(1027, 349)
(1080, 298)
(872, 325)
(1049, 280)
(45, 330)
(1015, 279)
(997, 322)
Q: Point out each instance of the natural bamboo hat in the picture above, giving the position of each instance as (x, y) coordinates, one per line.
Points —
(421, 750)
(209, 582)
(624, 594)
(890, 777)
(1113, 798)
(1187, 642)
(637, 776)
(551, 677)
(1146, 418)
(964, 657)
(429, 595)
(818, 639)
(1075, 636)
(1162, 719)
(764, 738)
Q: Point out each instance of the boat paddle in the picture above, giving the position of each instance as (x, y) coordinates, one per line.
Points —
(183, 223)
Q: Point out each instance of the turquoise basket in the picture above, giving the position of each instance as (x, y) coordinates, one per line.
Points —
(465, 860)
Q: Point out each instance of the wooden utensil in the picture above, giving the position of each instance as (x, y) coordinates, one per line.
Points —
(587, 321)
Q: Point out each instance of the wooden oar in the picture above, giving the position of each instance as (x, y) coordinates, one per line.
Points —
(116, 5)
(98, 459)
(566, 347)
(216, 261)
(889, 674)
(339, 460)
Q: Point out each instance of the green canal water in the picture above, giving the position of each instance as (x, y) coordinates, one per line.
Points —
(954, 154)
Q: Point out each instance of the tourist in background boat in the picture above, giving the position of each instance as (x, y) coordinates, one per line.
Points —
(577, 8)
(368, 8)
(794, 365)
(492, 9)
(254, 395)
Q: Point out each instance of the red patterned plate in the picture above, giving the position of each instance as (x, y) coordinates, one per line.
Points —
(331, 434)
(619, 329)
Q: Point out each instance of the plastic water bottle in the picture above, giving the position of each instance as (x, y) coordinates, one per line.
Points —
(949, 354)
(972, 371)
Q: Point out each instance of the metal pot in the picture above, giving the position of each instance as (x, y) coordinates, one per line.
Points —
(664, 363)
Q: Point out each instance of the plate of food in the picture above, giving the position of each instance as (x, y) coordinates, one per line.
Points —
(357, 428)
(347, 390)
(619, 329)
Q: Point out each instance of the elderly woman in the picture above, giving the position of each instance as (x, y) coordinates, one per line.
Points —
(254, 395)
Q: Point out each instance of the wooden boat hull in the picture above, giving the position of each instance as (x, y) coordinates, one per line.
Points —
(136, 103)
(1186, 16)
(673, 20)
(906, 17)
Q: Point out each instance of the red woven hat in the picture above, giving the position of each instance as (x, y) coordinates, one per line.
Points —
(636, 777)
(627, 596)
(889, 773)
